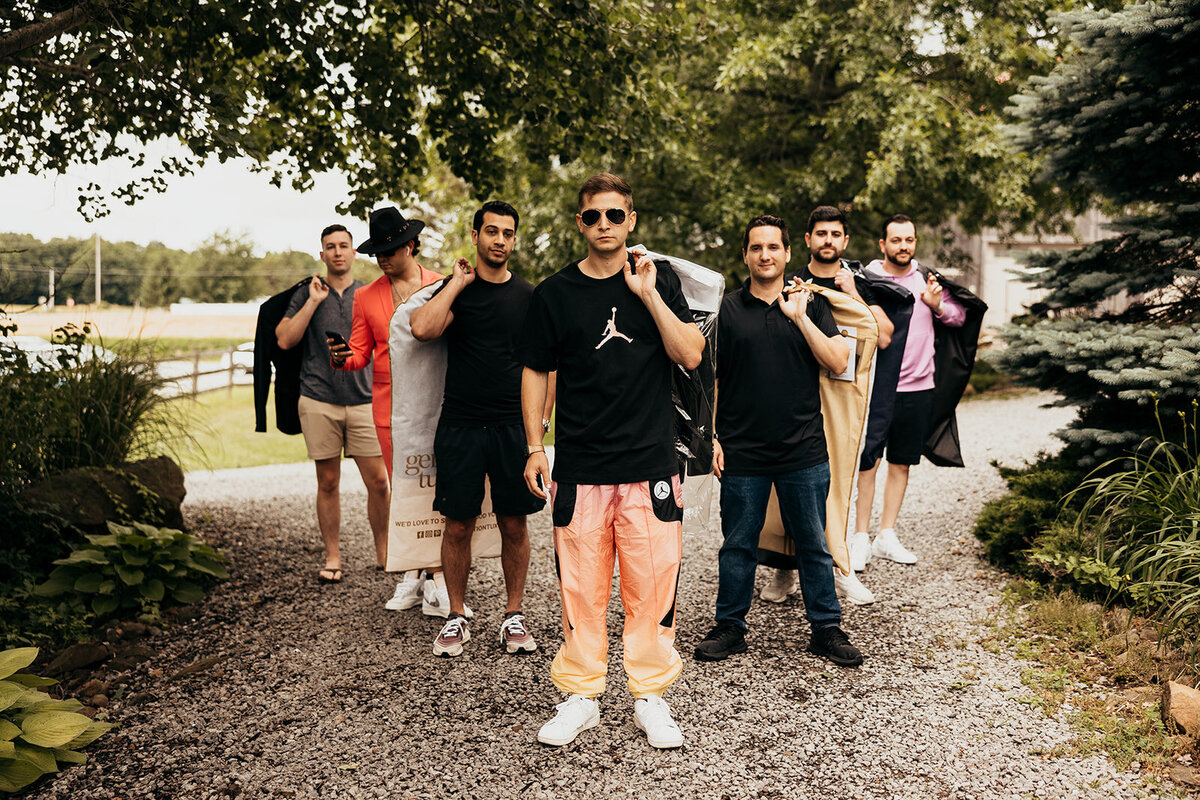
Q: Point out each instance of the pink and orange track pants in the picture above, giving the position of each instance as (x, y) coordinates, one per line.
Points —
(640, 526)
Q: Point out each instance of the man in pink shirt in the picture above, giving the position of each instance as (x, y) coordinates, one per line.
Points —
(914, 394)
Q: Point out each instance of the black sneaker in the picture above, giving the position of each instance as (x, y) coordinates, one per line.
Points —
(721, 642)
(834, 644)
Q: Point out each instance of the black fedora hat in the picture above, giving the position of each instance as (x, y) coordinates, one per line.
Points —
(389, 231)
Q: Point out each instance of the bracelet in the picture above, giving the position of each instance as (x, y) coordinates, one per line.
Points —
(530, 449)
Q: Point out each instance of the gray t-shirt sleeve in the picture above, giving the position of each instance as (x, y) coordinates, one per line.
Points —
(299, 298)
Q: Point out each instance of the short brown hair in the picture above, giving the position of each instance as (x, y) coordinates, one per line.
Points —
(766, 221)
(897, 218)
(335, 228)
(605, 182)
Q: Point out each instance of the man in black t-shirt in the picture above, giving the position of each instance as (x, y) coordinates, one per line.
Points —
(826, 239)
(771, 346)
(481, 311)
(611, 325)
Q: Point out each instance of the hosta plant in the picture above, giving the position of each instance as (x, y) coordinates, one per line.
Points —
(136, 568)
(37, 732)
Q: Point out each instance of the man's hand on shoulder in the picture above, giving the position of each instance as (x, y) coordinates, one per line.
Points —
(845, 282)
(794, 303)
(644, 280)
(318, 290)
(463, 273)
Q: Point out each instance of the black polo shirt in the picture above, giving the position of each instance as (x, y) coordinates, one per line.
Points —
(768, 396)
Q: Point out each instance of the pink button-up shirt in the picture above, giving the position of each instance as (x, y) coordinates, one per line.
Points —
(916, 369)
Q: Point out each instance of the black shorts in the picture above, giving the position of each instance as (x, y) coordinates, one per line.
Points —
(465, 455)
(910, 427)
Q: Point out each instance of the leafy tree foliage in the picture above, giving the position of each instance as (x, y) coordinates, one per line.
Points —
(303, 86)
(1118, 119)
(780, 106)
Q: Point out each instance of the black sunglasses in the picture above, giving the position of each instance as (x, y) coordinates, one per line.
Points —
(590, 217)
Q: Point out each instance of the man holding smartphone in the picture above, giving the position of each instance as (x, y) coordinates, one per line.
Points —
(480, 309)
(613, 326)
(335, 407)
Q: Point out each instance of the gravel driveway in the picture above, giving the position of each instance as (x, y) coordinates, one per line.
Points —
(320, 692)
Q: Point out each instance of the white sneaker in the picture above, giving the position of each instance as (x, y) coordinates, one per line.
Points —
(653, 715)
(783, 583)
(851, 588)
(575, 715)
(859, 546)
(408, 592)
(436, 601)
(886, 545)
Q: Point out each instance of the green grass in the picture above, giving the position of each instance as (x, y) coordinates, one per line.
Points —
(169, 346)
(222, 427)
(1076, 647)
(221, 423)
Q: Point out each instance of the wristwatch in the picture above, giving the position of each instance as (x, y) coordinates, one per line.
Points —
(545, 426)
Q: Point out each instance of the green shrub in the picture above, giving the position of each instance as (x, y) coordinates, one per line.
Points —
(49, 622)
(37, 732)
(1008, 526)
(136, 568)
(1143, 515)
(83, 412)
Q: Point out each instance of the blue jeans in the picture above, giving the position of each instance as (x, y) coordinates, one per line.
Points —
(802, 496)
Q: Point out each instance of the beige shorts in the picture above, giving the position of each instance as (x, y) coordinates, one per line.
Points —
(328, 429)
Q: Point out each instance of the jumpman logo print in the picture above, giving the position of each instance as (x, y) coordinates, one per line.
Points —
(610, 331)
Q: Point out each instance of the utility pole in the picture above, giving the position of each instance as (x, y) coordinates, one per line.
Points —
(50, 302)
(97, 270)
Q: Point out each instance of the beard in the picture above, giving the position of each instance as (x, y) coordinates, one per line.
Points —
(490, 260)
(820, 258)
(900, 259)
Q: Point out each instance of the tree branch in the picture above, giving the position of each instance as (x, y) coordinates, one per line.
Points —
(20, 39)
(41, 65)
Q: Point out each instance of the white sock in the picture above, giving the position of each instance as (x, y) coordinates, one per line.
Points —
(887, 532)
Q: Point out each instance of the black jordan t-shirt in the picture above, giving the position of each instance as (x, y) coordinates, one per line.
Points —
(614, 420)
(864, 289)
(483, 377)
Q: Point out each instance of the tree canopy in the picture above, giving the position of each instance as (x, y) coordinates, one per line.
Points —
(303, 86)
(777, 106)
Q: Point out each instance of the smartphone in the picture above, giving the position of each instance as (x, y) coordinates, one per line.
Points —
(337, 338)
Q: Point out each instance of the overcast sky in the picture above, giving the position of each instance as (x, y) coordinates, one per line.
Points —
(218, 198)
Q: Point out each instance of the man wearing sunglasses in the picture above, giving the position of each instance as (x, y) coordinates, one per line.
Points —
(611, 325)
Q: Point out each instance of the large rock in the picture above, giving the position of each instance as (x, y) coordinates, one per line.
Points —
(78, 656)
(144, 491)
(1181, 708)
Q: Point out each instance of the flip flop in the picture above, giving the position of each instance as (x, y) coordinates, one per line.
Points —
(335, 573)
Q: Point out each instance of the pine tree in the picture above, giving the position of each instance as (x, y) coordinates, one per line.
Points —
(1118, 122)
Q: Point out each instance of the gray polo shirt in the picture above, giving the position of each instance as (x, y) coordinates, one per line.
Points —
(318, 379)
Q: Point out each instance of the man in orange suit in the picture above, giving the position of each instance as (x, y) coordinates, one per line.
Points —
(394, 242)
